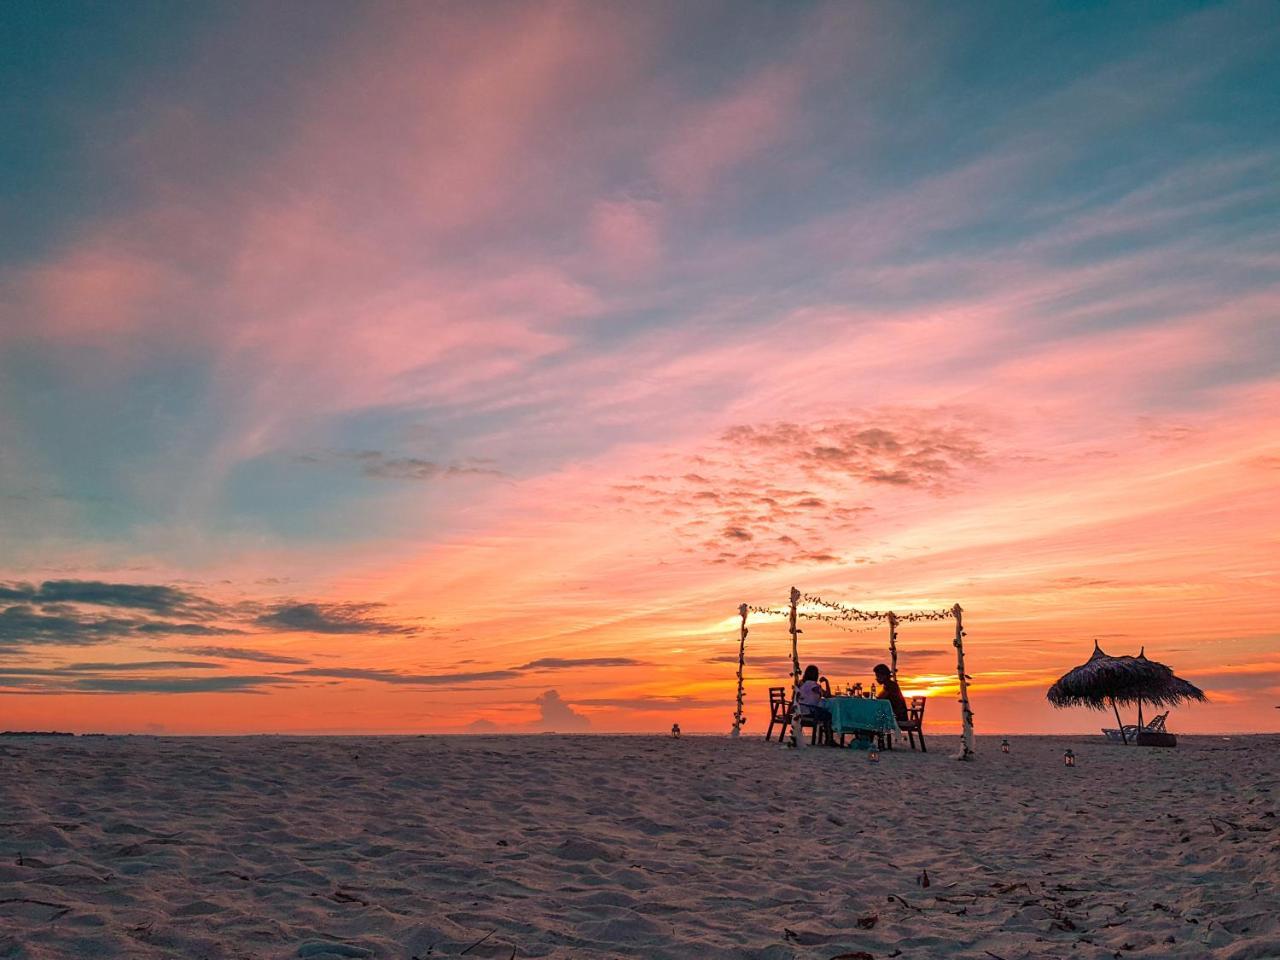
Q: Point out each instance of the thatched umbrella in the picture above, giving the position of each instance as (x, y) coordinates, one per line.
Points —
(1107, 680)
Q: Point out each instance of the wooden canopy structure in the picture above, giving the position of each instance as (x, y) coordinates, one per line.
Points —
(839, 613)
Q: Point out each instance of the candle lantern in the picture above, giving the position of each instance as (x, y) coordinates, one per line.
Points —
(1004, 746)
(675, 730)
(1069, 758)
(873, 755)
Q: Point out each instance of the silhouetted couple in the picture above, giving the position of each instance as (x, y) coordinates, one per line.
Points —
(815, 688)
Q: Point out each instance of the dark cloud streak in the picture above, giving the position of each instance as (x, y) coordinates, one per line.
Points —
(558, 663)
(240, 653)
(225, 684)
(416, 679)
(338, 618)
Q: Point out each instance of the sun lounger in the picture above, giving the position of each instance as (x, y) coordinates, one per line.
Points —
(1147, 735)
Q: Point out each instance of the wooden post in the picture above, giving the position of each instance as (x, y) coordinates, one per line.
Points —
(893, 644)
(738, 718)
(966, 715)
(796, 739)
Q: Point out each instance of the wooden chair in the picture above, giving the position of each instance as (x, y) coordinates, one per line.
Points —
(914, 724)
(779, 712)
(780, 716)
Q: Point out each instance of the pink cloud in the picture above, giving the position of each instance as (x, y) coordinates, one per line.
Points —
(718, 136)
(627, 234)
(94, 289)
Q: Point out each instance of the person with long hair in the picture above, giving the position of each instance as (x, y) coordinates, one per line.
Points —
(809, 698)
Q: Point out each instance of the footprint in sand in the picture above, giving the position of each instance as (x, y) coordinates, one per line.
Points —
(198, 908)
(578, 849)
(328, 949)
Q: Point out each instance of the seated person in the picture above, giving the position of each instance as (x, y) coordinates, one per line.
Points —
(809, 703)
(889, 690)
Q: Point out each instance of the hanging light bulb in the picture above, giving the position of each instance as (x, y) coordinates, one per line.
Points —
(1004, 746)
(1069, 758)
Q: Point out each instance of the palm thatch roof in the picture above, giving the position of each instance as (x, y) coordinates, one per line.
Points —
(1104, 680)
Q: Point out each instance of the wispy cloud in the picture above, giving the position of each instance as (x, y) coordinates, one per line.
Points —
(340, 618)
(412, 679)
(466, 676)
(240, 653)
(573, 663)
(144, 676)
(153, 598)
(138, 666)
(80, 613)
(176, 685)
(384, 466)
(23, 625)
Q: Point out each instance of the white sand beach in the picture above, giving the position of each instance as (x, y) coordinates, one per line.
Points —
(594, 847)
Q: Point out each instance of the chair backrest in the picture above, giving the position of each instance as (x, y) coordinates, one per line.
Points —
(778, 700)
(1157, 723)
(915, 712)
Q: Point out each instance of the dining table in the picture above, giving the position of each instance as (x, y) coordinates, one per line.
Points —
(861, 715)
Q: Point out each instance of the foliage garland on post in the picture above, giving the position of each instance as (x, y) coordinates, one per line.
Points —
(738, 718)
(966, 715)
(796, 739)
(893, 644)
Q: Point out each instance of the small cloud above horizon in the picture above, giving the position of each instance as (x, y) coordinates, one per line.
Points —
(558, 716)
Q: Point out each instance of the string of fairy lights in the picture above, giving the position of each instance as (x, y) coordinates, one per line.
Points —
(839, 623)
(844, 612)
(841, 615)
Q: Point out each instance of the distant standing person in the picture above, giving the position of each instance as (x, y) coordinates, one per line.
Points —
(889, 690)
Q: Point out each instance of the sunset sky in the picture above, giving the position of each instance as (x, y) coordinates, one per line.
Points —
(439, 367)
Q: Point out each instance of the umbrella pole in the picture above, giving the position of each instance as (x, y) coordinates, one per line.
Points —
(1139, 714)
(1119, 721)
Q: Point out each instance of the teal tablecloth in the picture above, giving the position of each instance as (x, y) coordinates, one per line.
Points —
(857, 713)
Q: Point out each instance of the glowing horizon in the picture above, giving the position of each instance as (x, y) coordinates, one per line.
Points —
(445, 368)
